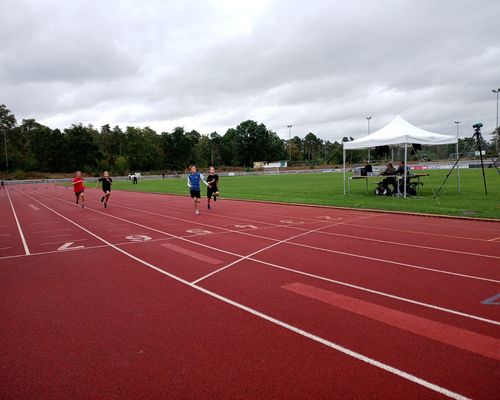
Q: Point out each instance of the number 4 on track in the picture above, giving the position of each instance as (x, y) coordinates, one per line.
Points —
(67, 246)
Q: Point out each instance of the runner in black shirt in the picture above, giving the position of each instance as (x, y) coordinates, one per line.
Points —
(106, 182)
(213, 186)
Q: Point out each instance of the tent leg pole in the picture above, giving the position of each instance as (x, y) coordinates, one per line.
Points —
(344, 169)
(404, 174)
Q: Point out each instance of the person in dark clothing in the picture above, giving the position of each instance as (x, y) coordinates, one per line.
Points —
(368, 169)
(390, 171)
(213, 186)
(106, 183)
(401, 171)
(401, 168)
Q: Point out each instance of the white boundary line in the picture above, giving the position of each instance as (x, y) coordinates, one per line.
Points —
(290, 226)
(261, 250)
(26, 249)
(301, 332)
(345, 235)
(403, 299)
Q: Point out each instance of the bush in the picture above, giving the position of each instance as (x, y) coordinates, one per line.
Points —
(19, 174)
(121, 165)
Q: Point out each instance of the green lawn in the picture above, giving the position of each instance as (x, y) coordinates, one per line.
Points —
(327, 189)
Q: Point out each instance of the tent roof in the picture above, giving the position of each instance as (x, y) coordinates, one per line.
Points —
(399, 131)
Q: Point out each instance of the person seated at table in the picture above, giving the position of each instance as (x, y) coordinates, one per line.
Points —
(401, 168)
(368, 168)
(390, 180)
(401, 171)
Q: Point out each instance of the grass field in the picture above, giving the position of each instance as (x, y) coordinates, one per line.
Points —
(327, 189)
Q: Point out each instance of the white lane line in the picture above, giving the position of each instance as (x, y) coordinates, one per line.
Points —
(5, 248)
(34, 207)
(26, 249)
(346, 214)
(395, 230)
(5, 234)
(292, 328)
(342, 235)
(248, 233)
(398, 263)
(494, 239)
(408, 245)
(319, 277)
(261, 250)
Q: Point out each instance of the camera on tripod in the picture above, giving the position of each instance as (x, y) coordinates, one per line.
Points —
(478, 125)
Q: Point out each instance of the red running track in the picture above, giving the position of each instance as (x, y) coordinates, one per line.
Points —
(245, 301)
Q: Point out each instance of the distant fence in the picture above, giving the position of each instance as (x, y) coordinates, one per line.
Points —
(278, 171)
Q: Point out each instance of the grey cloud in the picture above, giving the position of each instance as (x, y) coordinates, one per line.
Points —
(321, 65)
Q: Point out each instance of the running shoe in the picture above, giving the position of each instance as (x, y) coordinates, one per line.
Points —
(197, 212)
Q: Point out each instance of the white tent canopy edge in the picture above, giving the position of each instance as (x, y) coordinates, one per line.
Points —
(398, 131)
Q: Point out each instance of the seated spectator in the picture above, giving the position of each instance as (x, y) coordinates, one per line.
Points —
(390, 180)
(401, 168)
(368, 168)
(401, 171)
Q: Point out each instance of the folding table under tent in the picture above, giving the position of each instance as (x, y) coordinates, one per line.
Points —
(397, 132)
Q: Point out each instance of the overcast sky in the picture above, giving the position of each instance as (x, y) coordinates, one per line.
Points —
(321, 66)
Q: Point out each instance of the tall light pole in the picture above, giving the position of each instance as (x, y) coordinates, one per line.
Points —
(5, 146)
(368, 119)
(497, 133)
(458, 166)
(289, 142)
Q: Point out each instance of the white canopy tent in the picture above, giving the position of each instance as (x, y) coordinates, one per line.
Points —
(397, 132)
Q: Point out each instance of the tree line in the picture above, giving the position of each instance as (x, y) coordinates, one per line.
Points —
(31, 146)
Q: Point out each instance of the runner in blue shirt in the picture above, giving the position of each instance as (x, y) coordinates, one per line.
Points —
(193, 182)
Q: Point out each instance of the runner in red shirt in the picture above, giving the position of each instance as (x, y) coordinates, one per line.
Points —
(79, 187)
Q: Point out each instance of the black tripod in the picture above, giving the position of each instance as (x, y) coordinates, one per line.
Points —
(477, 136)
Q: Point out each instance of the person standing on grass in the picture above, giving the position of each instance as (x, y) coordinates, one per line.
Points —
(79, 187)
(193, 182)
(213, 186)
(106, 183)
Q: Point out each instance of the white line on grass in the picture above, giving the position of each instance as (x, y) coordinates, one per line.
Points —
(26, 249)
(198, 244)
(301, 332)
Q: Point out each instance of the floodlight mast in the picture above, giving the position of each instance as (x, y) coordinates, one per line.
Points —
(497, 133)
(368, 119)
(458, 166)
(289, 142)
